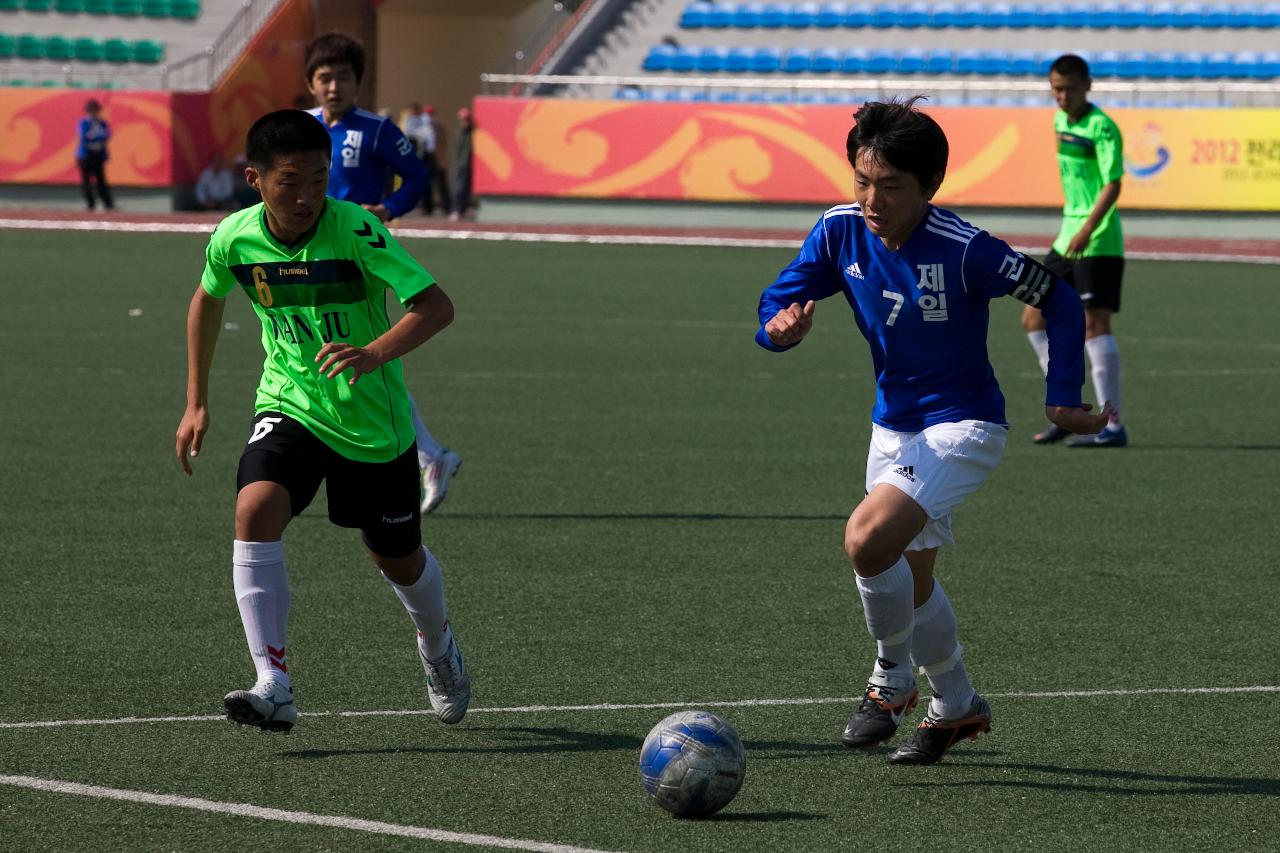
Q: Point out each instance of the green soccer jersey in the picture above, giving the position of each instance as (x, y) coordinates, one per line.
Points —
(329, 286)
(1090, 156)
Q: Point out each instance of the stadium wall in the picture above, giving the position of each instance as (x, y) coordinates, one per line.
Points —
(1176, 159)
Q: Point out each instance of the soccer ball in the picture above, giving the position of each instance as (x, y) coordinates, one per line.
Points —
(692, 763)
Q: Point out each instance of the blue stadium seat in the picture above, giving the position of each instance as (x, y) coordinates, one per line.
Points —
(1022, 15)
(943, 15)
(854, 60)
(980, 101)
(695, 15)
(726, 96)
(802, 16)
(1187, 16)
(1266, 17)
(995, 16)
(831, 15)
(1268, 67)
(1132, 16)
(1103, 16)
(1022, 63)
(858, 15)
(967, 61)
(713, 59)
(747, 15)
(1008, 101)
(739, 59)
(938, 62)
(1044, 59)
(685, 58)
(754, 98)
(1243, 65)
(884, 16)
(767, 60)
(1073, 16)
(825, 60)
(970, 16)
(797, 60)
(659, 58)
(1215, 15)
(1161, 64)
(992, 62)
(881, 61)
(629, 93)
(1161, 15)
(1217, 64)
(1133, 64)
(774, 16)
(1106, 64)
(720, 15)
(1049, 14)
(910, 61)
(1240, 16)
(1189, 66)
(913, 16)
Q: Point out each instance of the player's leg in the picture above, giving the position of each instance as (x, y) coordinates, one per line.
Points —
(1033, 324)
(1104, 276)
(382, 501)
(438, 464)
(86, 186)
(279, 473)
(104, 189)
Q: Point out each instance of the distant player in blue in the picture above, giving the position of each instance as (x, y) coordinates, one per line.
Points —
(92, 133)
(919, 279)
(367, 150)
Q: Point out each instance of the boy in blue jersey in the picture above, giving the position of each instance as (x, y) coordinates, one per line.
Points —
(367, 149)
(918, 279)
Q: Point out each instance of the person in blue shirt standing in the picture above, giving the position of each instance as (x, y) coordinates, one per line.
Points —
(919, 279)
(92, 134)
(367, 150)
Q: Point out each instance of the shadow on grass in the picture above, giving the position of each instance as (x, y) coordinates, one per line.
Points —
(1133, 783)
(760, 817)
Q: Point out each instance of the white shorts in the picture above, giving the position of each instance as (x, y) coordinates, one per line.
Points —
(937, 468)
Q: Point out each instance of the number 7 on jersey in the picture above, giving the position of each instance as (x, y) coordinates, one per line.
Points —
(897, 299)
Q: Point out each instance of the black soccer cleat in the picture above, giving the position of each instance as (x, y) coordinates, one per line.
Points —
(935, 736)
(1051, 434)
(879, 714)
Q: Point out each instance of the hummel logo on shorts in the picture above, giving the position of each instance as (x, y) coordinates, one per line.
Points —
(399, 519)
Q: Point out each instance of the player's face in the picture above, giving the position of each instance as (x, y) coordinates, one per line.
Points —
(893, 202)
(334, 88)
(293, 191)
(1070, 91)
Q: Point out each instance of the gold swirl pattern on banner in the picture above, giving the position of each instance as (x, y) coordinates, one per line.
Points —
(983, 164)
(549, 136)
(719, 168)
(489, 150)
(661, 160)
(825, 161)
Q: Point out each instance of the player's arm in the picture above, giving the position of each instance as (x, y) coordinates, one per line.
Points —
(204, 321)
(397, 151)
(786, 306)
(426, 315)
(1106, 200)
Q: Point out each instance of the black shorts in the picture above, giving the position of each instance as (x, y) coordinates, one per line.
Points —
(1097, 280)
(381, 499)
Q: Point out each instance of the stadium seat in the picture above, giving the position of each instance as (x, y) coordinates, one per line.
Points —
(1103, 16)
(37, 5)
(802, 16)
(720, 15)
(1215, 16)
(1131, 16)
(1268, 67)
(1266, 17)
(1073, 16)
(884, 16)
(858, 15)
(8, 45)
(147, 51)
(1049, 14)
(943, 15)
(1186, 16)
(909, 61)
(1133, 64)
(1244, 65)
(694, 16)
(1239, 16)
(992, 62)
(98, 7)
(69, 7)
(685, 58)
(881, 61)
(116, 51)
(726, 96)
(628, 93)
(766, 60)
(969, 16)
(938, 62)
(1217, 64)
(831, 15)
(186, 10)
(967, 61)
(1105, 64)
(126, 8)
(712, 59)
(797, 60)
(913, 16)
(1022, 15)
(747, 15)
(59, 48)
(1188, 66)
(825, 60)
(854, 61)
(774, 16)
(739, 59)
(659, 58)
(30, 47)
(1022, 63)
(1160, 16)
(87, 50)
(10, 5)
(995, 16)
(1161, 64)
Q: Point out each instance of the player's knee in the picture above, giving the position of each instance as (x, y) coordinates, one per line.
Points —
(865, 546)
(1096, 323)
(263, 511)
(397, 550)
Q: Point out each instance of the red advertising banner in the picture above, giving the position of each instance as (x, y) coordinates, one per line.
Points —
(1002, 157)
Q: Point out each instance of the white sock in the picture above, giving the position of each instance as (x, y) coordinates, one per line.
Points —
(886, 603)
(262, 594)
(1040, 343)
(428, 447)
(424, 601)
(1104, 359)
(935, 650)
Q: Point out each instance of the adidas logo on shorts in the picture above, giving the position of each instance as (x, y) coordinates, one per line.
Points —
(907, 471)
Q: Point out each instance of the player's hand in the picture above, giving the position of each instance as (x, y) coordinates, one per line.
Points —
(378, 210)
(791, 324)
(1079, 420)
(338, 357)
(191, 430)
(1079, 242)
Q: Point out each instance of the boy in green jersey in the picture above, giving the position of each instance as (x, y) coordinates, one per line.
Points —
(1089, 250)
(331, 406)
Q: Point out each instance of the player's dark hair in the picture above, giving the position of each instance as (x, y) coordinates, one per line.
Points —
(335, 49)
(284, 132)
(901, 136)
(1070, 65)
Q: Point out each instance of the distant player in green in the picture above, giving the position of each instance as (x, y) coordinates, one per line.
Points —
(1089, 250)
(331, 405)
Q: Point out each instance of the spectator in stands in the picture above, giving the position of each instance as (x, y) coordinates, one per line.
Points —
(462, 166)
(91, 154)
(418, 126)
(216, 186)
(433, 156)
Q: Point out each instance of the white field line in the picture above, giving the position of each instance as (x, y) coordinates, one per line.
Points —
(262, 813)
(647, 706)
(161, 227)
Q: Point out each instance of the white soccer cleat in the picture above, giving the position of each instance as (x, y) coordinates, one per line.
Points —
(448, 683)
(267, 705)
(436, 478)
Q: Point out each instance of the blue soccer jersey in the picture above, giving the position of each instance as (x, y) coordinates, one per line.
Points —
(367, 148)
(923, 309)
